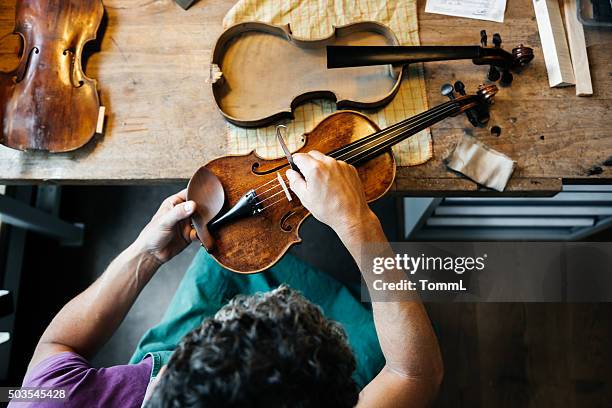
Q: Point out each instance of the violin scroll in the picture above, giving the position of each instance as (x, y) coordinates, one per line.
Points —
(487, 93)
(522, 55)
(501, 61)
(474, 106)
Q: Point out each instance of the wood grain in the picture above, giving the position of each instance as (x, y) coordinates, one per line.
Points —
(578, 49)
(162, 122)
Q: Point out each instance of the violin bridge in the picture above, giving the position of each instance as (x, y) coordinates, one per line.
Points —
(284, 186)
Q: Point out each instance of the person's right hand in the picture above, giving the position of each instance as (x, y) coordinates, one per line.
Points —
(331, 190)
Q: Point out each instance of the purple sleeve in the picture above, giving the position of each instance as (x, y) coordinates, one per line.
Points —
(118, 386)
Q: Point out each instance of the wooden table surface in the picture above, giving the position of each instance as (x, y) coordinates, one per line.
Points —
(162, 123)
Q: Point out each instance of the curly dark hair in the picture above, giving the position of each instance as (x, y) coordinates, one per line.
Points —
(273, 349)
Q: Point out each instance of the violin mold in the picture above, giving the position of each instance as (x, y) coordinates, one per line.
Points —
(262, 72)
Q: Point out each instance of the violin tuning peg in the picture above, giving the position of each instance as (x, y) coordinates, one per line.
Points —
(483, 117)
(460, 87)
(506, 78)
(493, 74)
(447, 90)
(483, 38)
(497, 40)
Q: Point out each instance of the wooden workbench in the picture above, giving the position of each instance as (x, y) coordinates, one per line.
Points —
(162, 123)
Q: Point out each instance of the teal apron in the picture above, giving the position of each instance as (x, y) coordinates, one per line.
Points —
(206, 287)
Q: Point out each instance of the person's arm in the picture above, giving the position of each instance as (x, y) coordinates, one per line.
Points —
(90, 319)
(332, 192)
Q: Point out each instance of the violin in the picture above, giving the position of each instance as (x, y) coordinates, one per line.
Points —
(47, 102)
(247, 217)
(501, 61)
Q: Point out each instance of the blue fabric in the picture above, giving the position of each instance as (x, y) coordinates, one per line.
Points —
(206, 287)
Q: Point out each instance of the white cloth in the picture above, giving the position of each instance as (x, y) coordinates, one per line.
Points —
(480, 163)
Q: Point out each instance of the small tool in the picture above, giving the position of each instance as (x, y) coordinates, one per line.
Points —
(281, 140)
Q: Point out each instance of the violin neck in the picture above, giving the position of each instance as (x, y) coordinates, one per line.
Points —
(380, 142)
(340, 56)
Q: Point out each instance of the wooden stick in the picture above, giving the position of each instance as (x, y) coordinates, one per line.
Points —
(577, 45)
(554, 44)
(101, 118)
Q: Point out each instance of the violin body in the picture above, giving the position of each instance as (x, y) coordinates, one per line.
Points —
(253, 244)
(47, 102)
(285, 70)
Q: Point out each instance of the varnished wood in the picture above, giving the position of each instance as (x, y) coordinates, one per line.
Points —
(163, 124)
(47, 103)
(255, 243)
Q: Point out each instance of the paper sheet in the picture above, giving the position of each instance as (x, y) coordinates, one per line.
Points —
(316, 19)
(492, 10)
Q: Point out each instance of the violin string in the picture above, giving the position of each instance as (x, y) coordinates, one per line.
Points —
(271, 188)
(273, 195)
(258, 195)
(380, 144)
(263, 185)
(431, 115)
(392, 127)
(386, 137)
(422, 119)
(274, 203)
(377, 135)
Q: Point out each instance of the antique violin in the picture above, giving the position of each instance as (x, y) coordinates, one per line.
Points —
(247, 217)
(501, 61)
(47, 103)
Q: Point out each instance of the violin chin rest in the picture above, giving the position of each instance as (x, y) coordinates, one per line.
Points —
(206, 190)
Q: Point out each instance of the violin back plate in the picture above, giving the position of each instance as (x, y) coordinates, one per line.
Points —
(47, 103)
(264, 72)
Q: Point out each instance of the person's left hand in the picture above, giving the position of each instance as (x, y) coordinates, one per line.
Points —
(169, 231)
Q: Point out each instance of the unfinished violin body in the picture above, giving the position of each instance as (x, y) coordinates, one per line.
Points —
(247, 216)
(264, 71)
(47, 102)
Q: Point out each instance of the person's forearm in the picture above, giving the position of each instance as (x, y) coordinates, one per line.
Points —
(404, 330)
(88, 320)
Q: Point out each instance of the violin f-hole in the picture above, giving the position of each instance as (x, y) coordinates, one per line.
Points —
(285, 226)
(256, 171)
(25, 67)
(75, 79)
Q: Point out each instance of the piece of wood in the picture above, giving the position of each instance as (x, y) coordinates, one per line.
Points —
(47, 103)
(163, 124)
(284, 71)
(101, 118)
(554, 44)
(578, 49)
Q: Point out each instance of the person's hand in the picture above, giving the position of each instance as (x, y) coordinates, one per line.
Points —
(169, 231)
(331, 190)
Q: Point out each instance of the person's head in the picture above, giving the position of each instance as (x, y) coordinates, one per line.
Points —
(272, 349)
